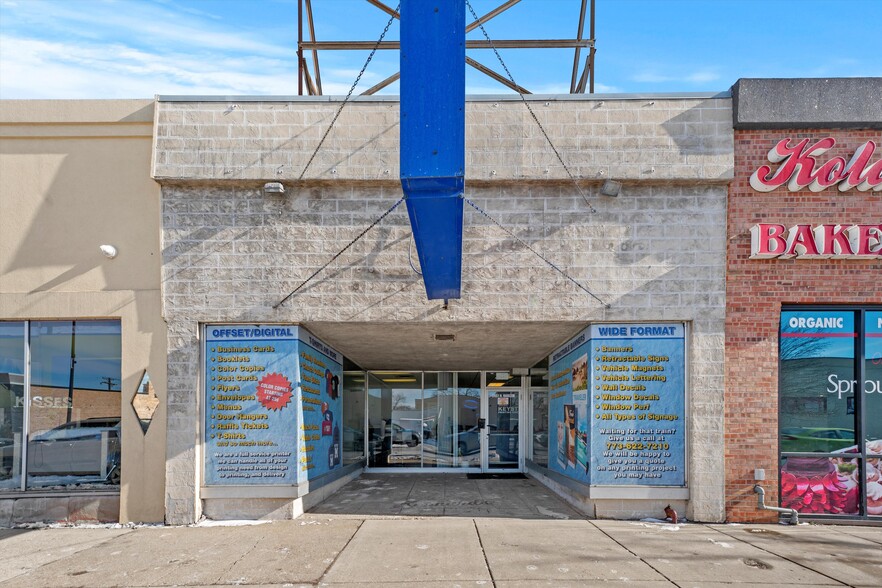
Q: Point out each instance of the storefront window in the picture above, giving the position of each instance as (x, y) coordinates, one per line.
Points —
(468, 403)
(12, 402)
(872, 407)
(71, 390)
(814, 360)
(540, 426)
(394, 419)
(428, 420)
(75, 407)
(827, 392)
(439, 432)
(353, 417)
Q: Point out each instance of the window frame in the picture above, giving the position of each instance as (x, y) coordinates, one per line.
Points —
(26, 432)
(859, 312)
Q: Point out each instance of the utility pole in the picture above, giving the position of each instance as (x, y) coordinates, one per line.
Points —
(109, 382)
(73, 362)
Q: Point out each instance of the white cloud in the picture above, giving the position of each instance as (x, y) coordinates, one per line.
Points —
(40, 69)
(147, 24)
(606, 89)
(702, 76)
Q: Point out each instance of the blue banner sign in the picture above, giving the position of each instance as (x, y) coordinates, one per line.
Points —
(617, 406)
(568, 413)
(638, 399)
(272, 405)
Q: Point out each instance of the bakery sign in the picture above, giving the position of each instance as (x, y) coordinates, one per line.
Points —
(799, 168)
(769, 240)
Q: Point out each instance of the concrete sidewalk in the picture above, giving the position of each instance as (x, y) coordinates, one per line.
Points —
(369, 550)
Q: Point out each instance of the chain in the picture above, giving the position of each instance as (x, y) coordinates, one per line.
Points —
(530, 109)
(339, 253)
(539, 255)
(351, 90)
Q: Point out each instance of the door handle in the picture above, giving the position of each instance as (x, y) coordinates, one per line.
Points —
(482, 423)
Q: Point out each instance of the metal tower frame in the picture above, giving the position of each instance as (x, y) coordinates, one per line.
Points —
(580, 81)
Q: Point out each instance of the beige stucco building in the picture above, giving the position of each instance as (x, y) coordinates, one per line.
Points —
(76, 176)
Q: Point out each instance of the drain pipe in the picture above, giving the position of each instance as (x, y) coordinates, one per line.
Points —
(761, 496)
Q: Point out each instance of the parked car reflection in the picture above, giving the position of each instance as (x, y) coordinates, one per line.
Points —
(468, 442)
(816, 439)
(90, 447)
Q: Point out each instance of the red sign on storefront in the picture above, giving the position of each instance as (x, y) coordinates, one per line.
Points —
(799, 169)
(821, 241)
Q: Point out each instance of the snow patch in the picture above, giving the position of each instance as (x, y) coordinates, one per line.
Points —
(230, 523)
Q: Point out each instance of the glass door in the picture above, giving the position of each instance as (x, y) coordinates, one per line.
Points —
(502, 410)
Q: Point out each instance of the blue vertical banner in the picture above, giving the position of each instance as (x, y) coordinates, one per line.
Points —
(433, 137)
(638, 399)
(321, 405)
(272, 405)
(568, 413)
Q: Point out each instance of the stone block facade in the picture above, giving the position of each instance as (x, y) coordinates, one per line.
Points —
(655, 253)
(638, 139)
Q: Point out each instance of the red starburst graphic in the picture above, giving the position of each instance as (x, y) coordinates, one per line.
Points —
(274, 391)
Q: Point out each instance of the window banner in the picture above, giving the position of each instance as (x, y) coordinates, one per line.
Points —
(617, 406)
(818, 412)
(272, 405)
(873, 380)
(638, 399)
(873, 360)
(873, 409)
(568, 416)
(817, 375)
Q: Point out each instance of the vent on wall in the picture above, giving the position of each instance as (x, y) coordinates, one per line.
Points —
(444, 337)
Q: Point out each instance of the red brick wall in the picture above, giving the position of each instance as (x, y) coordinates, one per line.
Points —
(756, 289)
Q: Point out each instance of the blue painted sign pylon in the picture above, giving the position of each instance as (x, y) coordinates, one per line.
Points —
(433, 137)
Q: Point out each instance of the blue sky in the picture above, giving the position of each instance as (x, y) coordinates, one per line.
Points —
(139, 48)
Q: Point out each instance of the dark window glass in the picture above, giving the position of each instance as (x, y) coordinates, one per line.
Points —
(12, 402)
(353, 417)
(872, 398)
(468, 412)
(540, 426)
(75, 403)
(827, 389)
(439, 420)
(817, 373)
(395, 419)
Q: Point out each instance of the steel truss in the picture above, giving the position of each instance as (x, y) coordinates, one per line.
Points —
(581, 80)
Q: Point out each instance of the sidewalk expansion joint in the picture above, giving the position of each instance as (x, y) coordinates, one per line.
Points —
(784, 557)
(339, 553)
(629, 550)
(484, 553)
(240, 558)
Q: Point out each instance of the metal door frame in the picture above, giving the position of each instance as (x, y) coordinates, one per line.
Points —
(485, 434)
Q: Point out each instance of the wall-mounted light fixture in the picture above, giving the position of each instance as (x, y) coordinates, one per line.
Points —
(109, 251)
(611, 188)
(273, 188)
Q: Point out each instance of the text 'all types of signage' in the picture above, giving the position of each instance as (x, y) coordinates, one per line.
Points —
(617, 406)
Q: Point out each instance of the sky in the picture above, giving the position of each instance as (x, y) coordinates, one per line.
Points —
(73, 49)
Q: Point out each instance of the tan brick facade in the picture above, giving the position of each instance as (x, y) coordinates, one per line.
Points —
(757, 288)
